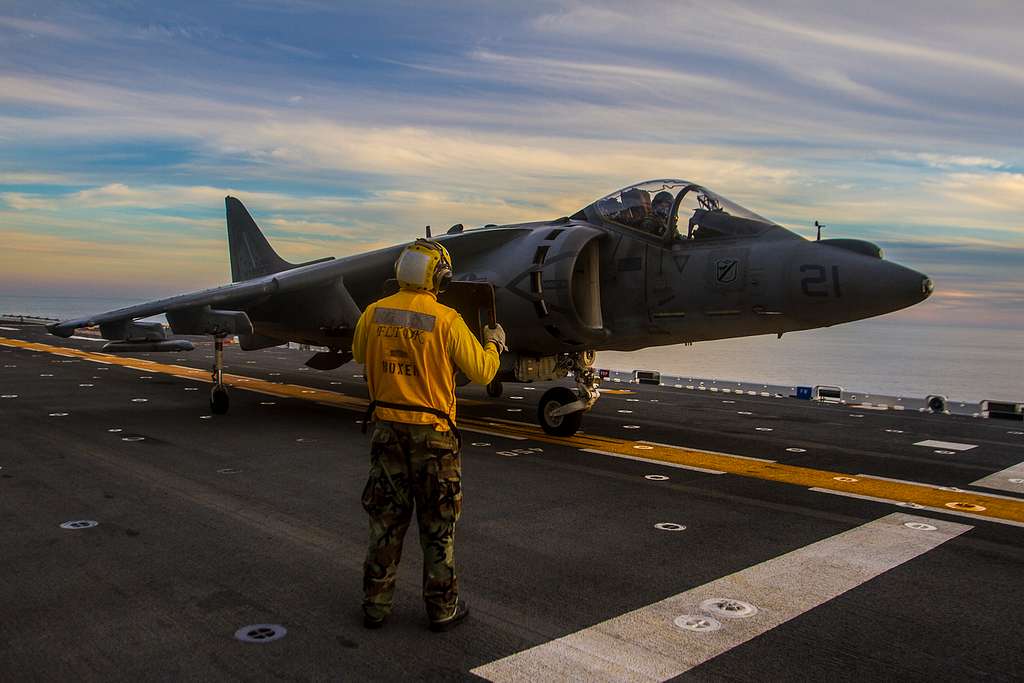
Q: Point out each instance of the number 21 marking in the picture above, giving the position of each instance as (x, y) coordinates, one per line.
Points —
(817, 284)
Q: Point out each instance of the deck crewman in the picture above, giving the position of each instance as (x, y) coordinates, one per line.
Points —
(411, 346)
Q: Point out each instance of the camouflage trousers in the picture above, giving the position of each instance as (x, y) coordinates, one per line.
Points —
(412, 466)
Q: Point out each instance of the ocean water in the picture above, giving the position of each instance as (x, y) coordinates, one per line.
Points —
(880, 356)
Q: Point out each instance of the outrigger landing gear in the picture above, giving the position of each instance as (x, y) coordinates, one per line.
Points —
(560, 410)
(219, 400)
(494, 388)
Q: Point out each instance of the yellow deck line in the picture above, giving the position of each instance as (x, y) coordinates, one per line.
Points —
(962, 502)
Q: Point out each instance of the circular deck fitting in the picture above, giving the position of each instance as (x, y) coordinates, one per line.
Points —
(229, 470)
(796, 450)
(915, 506)
(626, 412)
(920, 526)
(260, 633)
(133, 438)
(643, 447)
(480, 444)
(848, 479)
(966, 507)
(692, 622)
(80, 524)
(944, 452)
(764, 429)
(728, 608)
(140, 400)
(631, 426)
(670, 526)
(656, 477)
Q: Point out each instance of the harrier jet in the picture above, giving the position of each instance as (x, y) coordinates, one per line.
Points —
(657, 263)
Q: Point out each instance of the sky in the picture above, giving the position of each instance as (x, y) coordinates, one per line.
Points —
(349, 126)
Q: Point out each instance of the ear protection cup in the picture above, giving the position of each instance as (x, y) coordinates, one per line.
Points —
(442, 275)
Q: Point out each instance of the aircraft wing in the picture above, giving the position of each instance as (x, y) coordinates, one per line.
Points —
(196, 312)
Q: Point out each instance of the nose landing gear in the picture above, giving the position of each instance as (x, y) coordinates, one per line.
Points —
(560, 410)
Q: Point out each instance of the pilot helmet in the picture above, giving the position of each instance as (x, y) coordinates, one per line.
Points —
(662, 203)
(424, 265)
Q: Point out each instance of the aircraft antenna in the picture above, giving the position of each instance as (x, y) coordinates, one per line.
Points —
(428, 232)
(818, 225)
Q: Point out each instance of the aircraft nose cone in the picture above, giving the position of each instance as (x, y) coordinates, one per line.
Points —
(927, 286)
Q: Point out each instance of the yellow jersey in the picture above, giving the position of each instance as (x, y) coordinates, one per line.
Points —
(411, 346)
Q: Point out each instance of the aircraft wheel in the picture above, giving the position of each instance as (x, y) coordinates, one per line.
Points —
(494, 389)
(219, 400)
(558, 425)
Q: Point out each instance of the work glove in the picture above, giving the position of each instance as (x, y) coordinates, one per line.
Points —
(496, 334)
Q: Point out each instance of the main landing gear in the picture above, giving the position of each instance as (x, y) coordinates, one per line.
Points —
(219, 400)
(560, 410)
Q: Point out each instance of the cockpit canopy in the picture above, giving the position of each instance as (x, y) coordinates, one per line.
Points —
(671, 210)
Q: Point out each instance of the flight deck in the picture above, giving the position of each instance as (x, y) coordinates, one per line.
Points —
(681, 533)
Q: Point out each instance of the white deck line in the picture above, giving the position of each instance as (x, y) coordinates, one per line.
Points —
(11, 329)
(646, 645)
(946, 445)
(651, 461)
(1000, 480)
(478, 430)
(928, 508)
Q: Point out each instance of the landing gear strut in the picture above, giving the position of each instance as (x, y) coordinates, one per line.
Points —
(219, 401)
(560, 410)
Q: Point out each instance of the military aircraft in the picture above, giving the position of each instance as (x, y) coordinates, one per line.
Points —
(657, 263)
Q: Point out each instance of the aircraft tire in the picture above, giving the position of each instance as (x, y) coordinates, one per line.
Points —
(219, 400)
(494, 389)
(561, 425)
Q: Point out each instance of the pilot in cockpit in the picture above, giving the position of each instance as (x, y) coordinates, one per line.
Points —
(657, 221)
(636, 206)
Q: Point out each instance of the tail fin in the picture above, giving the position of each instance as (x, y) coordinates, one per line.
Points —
(251, 253)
